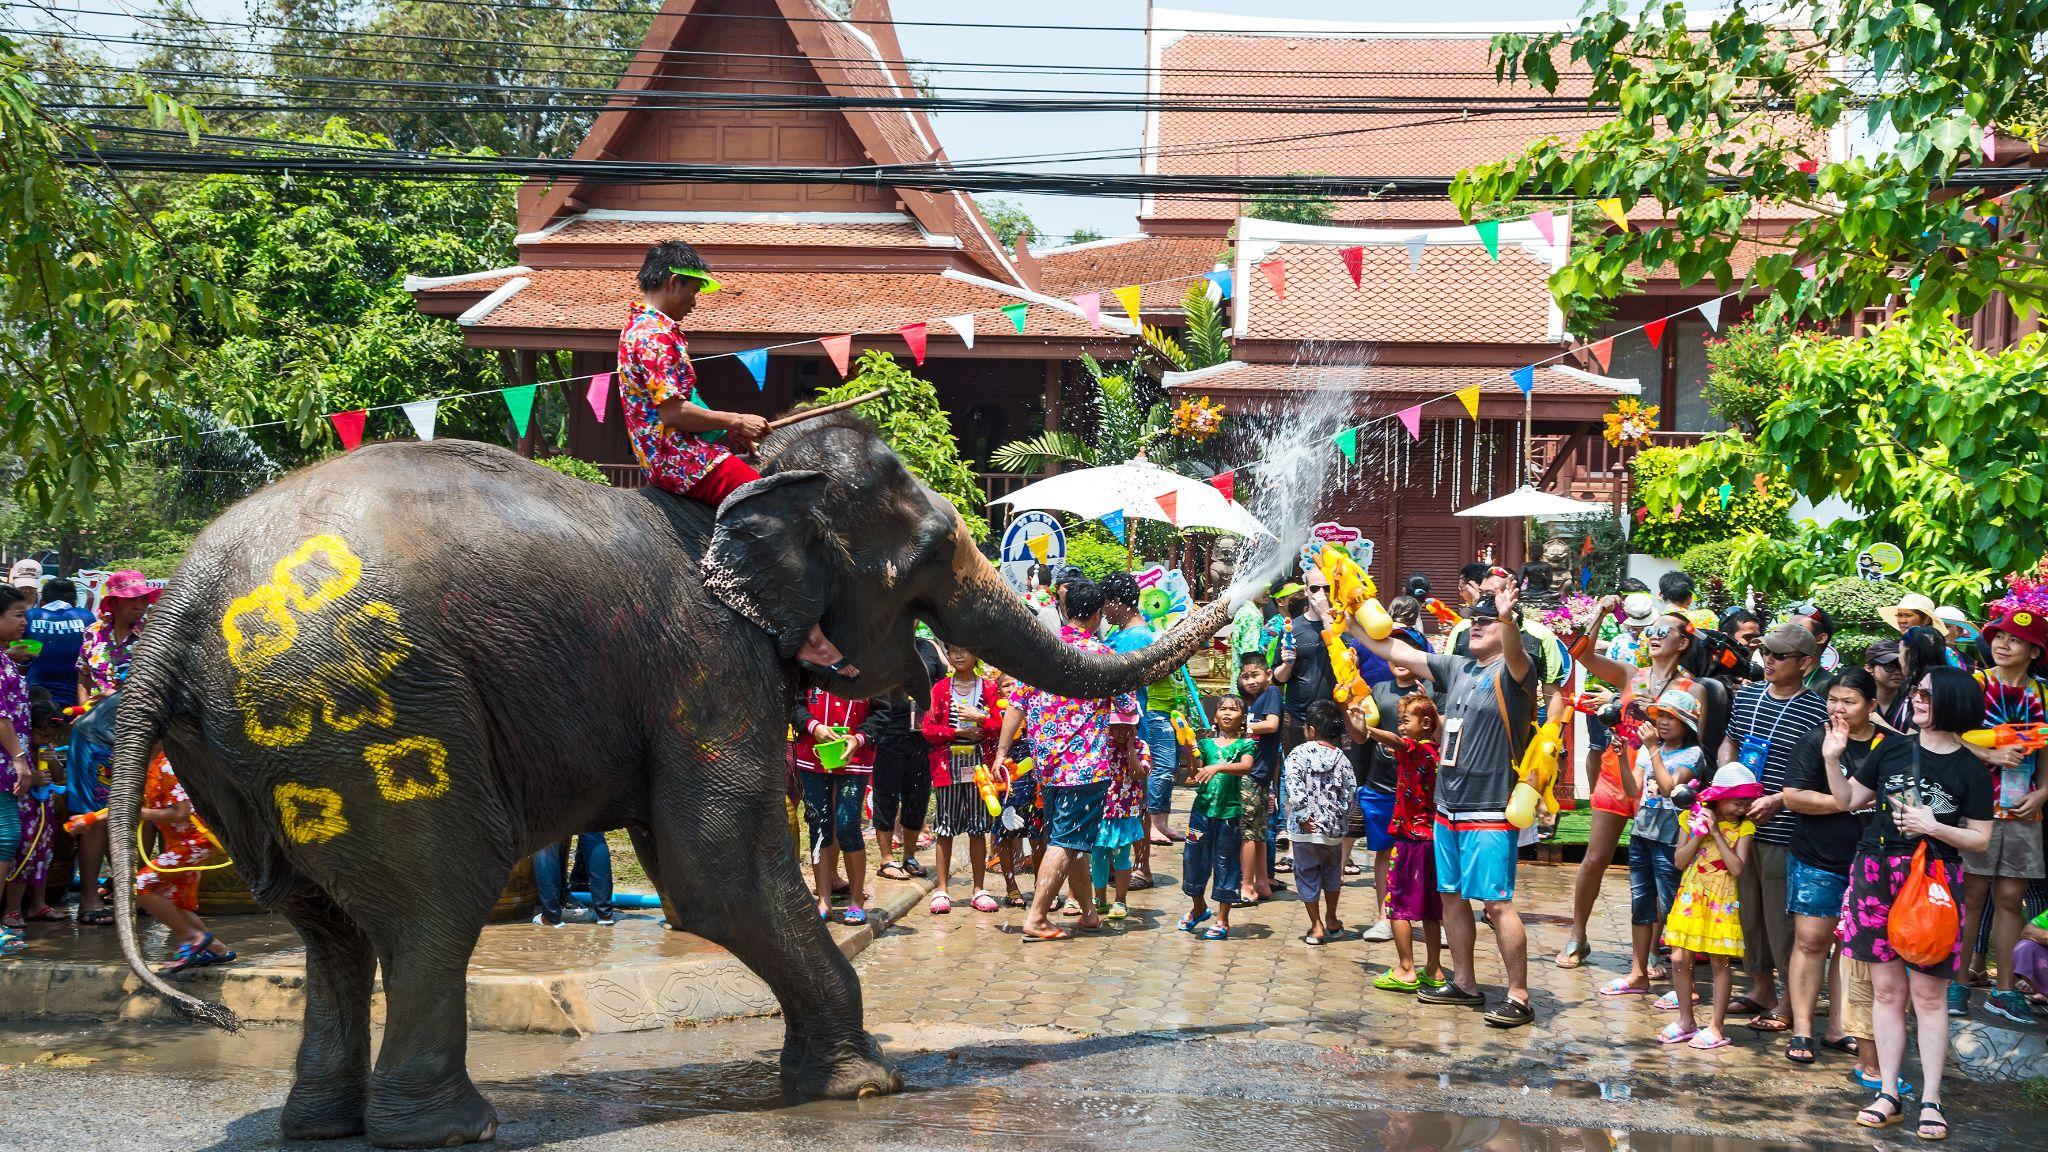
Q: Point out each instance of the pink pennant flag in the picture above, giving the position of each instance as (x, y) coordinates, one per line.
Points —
(838, 348)
(1411, 419)
(1808, 271)
(1091, 307)
(1603, 352)
(1169, 503)
(1990, 142)
(913, 335)
(1276, 275)
(1354, 263)
(349, 426)
(1546, 223)
(1655, 330)
(1226, 483)
(599, 394)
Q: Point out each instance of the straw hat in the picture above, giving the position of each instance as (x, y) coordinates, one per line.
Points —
(1911, 601)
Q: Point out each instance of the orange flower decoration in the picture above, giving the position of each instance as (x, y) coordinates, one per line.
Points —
(1630, 424)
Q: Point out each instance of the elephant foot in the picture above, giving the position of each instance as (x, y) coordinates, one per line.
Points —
(315, 1111)
(440, 1119)
(850, 1071)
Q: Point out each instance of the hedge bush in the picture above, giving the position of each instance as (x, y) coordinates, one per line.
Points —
(1853, 602)
(576, 469)
(1097, 558)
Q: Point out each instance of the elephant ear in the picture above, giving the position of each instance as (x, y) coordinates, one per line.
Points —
(767, 559)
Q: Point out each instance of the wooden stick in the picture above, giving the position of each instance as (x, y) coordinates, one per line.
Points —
(826, 410)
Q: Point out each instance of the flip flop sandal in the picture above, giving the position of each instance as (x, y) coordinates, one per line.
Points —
(1283, 866)
(1674, 1033)
(1353, 870)
(1189, 922)
(12, 920)
(1800, 1050)
(1619, 986)
(1141, 883)
(1931, 1129)
(915, 869)
(1871, 1117)
(1574, 955)
(1769, 1022)
(46, 915)
(1710, 1045)
(854, 916)
(1043, 937)
(892, 871)
(1745, 1005)
(1313, 940)
(1215, 932)
(97, 918)
(1841, 1044)
(1387, 982)
(1016, 900)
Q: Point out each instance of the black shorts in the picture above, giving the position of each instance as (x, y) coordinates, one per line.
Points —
(903, 784)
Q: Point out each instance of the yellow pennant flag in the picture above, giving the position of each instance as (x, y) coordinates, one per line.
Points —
(1128, 297)
(1470, 398)
(1615, 212)
(1040, 546)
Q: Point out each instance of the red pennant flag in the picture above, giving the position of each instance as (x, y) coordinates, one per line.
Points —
(838, 348)
(349, 426)
(913, 335)
(1354, 263)
(1642, 513)
(1809, 166)
(1603, 352)
(1226, 483)
(1276, 275)
(1170, 504)
(1655, 330)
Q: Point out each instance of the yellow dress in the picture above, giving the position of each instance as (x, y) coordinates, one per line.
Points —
(1705, 918)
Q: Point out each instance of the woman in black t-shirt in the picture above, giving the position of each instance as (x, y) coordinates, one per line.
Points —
(1930, 790)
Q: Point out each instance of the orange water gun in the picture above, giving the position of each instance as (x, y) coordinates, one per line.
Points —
(84, 820)
(1444, 613)
(2025, 737)
(985, 783)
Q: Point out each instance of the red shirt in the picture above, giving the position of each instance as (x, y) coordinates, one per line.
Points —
(938, 725)
(654, 368)
(1415, 790)
(828, 709)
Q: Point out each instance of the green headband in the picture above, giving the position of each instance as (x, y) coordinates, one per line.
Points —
(704, 281)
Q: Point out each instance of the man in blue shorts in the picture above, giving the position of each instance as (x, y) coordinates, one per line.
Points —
(1489, 700)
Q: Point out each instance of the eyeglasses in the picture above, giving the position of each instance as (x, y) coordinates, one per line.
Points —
(1922, 696)
(1319, 587)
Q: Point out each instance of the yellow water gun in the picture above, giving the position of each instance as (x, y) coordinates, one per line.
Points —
(1353, 593)
(1344, 663)
(985, 783)
(1537, 774)
(1183, 734)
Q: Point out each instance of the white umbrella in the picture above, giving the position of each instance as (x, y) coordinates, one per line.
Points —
(1528, 501)
(1134, 489)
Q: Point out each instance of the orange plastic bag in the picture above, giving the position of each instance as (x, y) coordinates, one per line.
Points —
(1924, 924)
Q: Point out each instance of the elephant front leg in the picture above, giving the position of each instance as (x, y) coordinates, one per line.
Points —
(421, 1095)
(331, 1088)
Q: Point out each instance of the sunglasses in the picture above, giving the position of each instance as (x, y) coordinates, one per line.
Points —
(1770, 655)
(1319, 587)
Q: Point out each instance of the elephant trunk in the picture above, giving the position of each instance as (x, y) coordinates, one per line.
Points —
(988, 617)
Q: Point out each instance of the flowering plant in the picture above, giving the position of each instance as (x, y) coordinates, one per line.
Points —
(2026, 591)
(1630, 424)
(1573, 612)
(1197, 418)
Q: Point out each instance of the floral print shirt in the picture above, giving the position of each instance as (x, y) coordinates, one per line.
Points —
(103, 659)
(1319, 787)
(1415, 790)
(654, 368)
(1070, 738)
(14, 711)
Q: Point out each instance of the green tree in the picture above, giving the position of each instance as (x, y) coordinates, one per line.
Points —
(1008, 220)
(911, 421)
(1317, 210)
(1710, 123)
(1743, 380)
(1083, 236)
(1654, 484)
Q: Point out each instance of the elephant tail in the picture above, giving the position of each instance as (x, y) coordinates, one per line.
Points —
(144, 712)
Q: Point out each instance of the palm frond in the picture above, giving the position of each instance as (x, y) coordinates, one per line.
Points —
(1205, 340)
(1034, 453)
(1167, 347)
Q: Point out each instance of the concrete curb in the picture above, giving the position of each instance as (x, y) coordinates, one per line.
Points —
(701, 985)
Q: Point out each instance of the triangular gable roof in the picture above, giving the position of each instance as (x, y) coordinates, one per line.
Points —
(838, 51)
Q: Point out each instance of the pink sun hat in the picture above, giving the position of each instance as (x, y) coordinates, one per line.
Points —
(128, 584)
(1732, 780)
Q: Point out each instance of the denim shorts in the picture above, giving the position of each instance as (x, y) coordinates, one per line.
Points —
(832, 805)
(1155, 732)
(1075, 814)
(1811, 891)
(1652, 880)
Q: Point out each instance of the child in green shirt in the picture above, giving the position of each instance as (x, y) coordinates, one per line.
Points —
(1214, 831)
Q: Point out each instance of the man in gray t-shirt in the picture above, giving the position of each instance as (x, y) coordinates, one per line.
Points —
(1488, 702)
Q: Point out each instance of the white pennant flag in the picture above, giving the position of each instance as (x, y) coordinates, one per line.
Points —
(422, 413)
(1415, 246)
(964, 325)
(1712, 311)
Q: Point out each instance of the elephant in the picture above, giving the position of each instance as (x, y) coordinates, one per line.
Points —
(388, 677)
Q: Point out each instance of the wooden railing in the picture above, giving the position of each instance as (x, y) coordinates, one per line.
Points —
(1592, 469)
(624, 475)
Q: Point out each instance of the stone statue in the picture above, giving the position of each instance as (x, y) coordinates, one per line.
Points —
(1223, 563)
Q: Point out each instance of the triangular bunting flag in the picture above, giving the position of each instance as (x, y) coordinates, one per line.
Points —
(1727, 493)
(1128, 297)
(1603, 352)
(1224, 281)
(1415, 245)
(1809, 166)
(1761, 483)
(1347, 443)
(963, 326)
(1615, 212)
(838, 348)
(422, 414)
(1354, 263)
(1808, 271)
(1712, 311)
(1411, 419)
(914, 335)
(1990, 142)
(1913, 285)
(1489, 235)
(519, 402)
(1469, 397)
(598, 395)
(1655, 330)
(349, 426)
(1642, 514)
(1226, 483)
(1524, 378)
(1276, 275)
(1040, 546)
(1016, 314)
(756, 361)
(1546, 223)
(1091, 306)
(1169, 503)
(1114, 521)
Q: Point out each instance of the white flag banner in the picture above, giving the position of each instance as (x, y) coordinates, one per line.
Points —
(1712, 311)
(1415, 246)
(422, 413)
(964, 325)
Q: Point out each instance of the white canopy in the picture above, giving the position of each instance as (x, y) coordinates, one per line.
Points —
(1134, 489)
(1528, 501)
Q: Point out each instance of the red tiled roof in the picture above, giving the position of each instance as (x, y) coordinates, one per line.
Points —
(1139, 260)
(777, 303)
(1406, 379)
(1456, 296)
(705, 233)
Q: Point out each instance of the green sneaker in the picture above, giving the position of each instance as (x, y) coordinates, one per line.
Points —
(2009, 1004)
(1958, 998)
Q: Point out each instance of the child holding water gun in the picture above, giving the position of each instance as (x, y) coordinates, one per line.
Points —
(961, 726)
(167, 886)
(37, 808)
(1211, 853)
(1705, 919)
(1670, 760)
(1411, 878)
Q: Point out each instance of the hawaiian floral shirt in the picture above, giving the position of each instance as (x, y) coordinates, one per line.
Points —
(13, 710)
(102, 659)
(1071, 738)
(654, 368)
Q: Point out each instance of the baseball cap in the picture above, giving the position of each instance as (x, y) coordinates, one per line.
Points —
(1882, 652)
(1790, 640)
(26, 574)
(1482, 610)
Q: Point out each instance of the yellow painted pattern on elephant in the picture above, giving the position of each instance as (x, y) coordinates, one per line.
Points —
(351, 686)
(275, 715)
(309, 815)
(343, 572)
(412, 768)
(258, 629)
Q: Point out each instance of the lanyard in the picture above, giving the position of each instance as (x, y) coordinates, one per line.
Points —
(1757, 707)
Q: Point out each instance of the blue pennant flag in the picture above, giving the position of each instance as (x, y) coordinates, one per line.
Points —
(756, 360)
(1524, 378)
(1114, 521)
(1223, 280)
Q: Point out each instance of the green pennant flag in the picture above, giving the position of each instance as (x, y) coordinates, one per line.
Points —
(1727, 494)
(1347, 443)
(519, 402)
(1016, 314)
(1489, 235)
